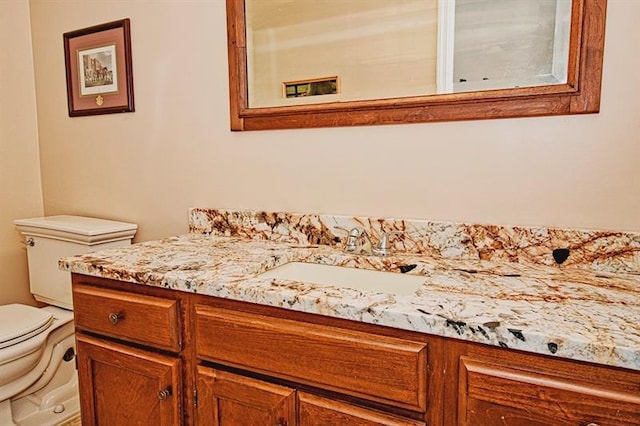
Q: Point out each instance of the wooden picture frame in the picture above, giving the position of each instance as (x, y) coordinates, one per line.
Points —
(99, 69)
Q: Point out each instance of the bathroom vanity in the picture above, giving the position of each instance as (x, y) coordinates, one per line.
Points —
(187, 331)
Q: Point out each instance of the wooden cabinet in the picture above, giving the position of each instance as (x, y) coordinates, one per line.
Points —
(162, 357)
(144, 319)
(127, 386)
(314, 410)
(374, 368)
(513, 389)
(227, 399)
(370, 366)
(130, 365)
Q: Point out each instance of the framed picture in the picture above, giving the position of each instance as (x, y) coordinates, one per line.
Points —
(99, 69)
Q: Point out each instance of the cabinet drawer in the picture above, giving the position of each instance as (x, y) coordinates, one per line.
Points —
(493, 394)
(379, 368)
(132, 317)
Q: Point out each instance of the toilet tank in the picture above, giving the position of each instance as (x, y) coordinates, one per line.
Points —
(52, 237)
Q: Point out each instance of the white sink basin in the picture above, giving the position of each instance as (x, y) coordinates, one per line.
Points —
(339, 276)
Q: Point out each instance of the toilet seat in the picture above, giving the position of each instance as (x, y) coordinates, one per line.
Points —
(22, 322)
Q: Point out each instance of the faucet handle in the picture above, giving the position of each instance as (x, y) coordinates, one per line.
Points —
(383, 248)
(357, 241)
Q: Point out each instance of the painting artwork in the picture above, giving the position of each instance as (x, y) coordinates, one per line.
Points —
(311, 87)
(98, 73)
(99, 69)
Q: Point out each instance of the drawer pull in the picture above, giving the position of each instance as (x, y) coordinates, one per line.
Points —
(164, 394)
(115, 318)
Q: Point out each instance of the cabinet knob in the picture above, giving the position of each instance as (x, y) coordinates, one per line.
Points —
(164, 394)
(282, 422)
(114, 318)
(593, 424)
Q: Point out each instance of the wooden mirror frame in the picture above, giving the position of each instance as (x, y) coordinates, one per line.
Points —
(580, 95)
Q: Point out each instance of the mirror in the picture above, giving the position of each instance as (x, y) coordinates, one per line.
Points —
(377, 49)
(317, 63)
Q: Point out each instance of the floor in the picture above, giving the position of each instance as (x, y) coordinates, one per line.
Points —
(76, 421)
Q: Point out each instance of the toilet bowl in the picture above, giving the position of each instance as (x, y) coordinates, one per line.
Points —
(24, 340)
(38, 379)
(34, 343)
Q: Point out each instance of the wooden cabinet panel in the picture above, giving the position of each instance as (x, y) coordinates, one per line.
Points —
(491, 394)
(469, 384)
(384, 369)
(139, 318)
(314, 410)
(120, 385)
(227, 399)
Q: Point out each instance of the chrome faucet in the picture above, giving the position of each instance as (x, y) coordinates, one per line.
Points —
(358, 241)
(383, 248)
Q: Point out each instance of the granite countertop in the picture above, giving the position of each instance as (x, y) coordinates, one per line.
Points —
(571, 312)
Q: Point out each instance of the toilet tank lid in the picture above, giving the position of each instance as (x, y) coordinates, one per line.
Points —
(87, 229)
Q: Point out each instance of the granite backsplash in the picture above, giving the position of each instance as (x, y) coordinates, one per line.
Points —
(600, 250)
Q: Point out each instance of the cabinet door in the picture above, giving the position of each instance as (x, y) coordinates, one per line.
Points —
(120, 385)
(314, 410)
(493, 394)
(227, 399)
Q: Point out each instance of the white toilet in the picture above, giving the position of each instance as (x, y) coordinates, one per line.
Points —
(38, 379)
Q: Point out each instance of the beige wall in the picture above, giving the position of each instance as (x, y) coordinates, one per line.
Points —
(377, 49)
(176, 150)
(20, 189)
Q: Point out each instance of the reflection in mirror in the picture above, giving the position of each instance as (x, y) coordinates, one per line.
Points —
(397, 48)
(500, 44)
(318, 63)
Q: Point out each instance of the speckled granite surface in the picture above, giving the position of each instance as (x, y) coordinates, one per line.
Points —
(606, 251)
(587, 310)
